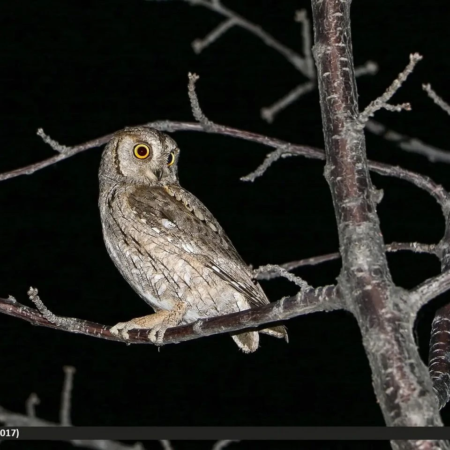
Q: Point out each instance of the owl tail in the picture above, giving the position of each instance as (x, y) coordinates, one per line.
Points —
(248, 341)
(279, 332)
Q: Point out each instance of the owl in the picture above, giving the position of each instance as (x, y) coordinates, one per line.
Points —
(166, 243)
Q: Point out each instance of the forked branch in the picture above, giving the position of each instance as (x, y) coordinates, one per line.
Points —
(379, 306)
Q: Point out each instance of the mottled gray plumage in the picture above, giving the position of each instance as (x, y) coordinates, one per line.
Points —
(166, 243)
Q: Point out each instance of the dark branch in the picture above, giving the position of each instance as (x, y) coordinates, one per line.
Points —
(400, 380)
(421, 181)
(305, 302)
(70, 151)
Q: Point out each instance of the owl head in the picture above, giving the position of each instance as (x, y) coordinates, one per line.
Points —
(140, 155)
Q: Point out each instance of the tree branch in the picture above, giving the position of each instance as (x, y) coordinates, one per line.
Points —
(421, 181)
(436, 99)
(415, 247)
(11, 419)
(304, 65)
(67, 153)
(382, 101)
(294, 58)
(268, 113)
(428, 290)
(400, 379)
(199, 44)
(305, 302)
(279, 271)
(301, 16)
(408, 143)
(195, 104)
(66, 397)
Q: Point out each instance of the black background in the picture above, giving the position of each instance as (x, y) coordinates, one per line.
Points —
(84, 69)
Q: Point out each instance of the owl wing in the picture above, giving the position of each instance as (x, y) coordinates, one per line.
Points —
(179, 211)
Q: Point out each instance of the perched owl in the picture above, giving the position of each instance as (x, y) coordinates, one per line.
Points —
(166, 243)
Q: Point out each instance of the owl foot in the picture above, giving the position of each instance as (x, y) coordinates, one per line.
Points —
(157, 323)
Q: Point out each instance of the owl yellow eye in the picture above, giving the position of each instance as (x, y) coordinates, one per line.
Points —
(141, 151)
(171, 159)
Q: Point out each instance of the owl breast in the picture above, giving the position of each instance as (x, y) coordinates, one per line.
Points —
(169, 248)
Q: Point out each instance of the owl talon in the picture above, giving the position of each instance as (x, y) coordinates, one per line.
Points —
(157, 324)
(121, 329)
(156, 334)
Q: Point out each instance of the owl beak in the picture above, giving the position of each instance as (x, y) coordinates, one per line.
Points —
(150, 175)
(159, 174)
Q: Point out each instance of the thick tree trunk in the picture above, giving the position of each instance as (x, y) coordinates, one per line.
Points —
(401, 381)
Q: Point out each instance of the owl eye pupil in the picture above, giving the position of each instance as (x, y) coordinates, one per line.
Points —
(141, 151)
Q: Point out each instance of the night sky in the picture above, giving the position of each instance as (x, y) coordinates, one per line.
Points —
(81, 70)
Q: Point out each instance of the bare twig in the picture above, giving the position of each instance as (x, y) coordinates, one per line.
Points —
(280, 271)
(294, 58)
(32, 168)
(269, 112)
(410, 144)
(195, 105)
(53, 144)
(268, 161)
(200, 44)
(301, 16)
(436, 99)
(66, 396)
(46, 313)
(382, 101)
(303, 65)
(10, 419)
(415, 247)
(32, 401)
(270, 275)
(420, 181)
(368, 68)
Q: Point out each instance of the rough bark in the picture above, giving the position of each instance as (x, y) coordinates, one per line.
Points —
(439, 362)
(400, 379)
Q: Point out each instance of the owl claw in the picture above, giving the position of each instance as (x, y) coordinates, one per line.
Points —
(156, 334)
(157, 324)
(121, 329)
